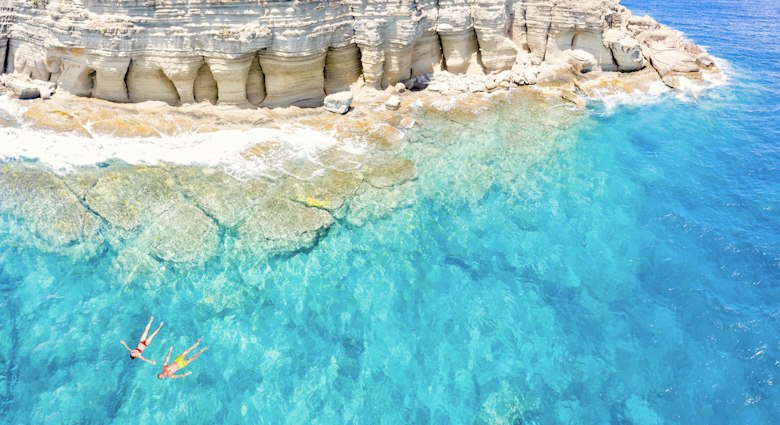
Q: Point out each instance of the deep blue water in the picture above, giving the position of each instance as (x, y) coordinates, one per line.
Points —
(627, 273)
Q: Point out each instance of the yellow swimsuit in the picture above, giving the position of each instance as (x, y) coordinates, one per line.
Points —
(181, 362)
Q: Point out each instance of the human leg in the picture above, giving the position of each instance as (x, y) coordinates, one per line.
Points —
(192, 359)
(151, 337)
(185, 352)
(146, 330)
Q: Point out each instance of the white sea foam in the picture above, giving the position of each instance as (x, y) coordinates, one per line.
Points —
(223, 148)
(656, 92)
(11, 109)
(611, 100)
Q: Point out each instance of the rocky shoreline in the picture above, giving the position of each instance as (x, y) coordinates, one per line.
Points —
(162, 214)
(321, 106)
(278, 54)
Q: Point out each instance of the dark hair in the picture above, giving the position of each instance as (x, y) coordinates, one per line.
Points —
(131, 356)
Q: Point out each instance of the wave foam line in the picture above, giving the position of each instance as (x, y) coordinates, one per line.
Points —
(223, 148)
(656, 92)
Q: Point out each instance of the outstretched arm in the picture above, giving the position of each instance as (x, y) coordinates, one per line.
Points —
(147, 360)
(181, 376)
(128, 348)
(168, 357)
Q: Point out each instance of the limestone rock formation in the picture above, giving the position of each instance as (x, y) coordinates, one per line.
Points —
(280, 53)
(338, 102)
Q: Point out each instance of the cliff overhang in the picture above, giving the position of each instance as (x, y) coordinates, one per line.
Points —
(282, 53)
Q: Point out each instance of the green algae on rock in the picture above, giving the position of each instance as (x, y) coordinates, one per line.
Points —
(329, 190)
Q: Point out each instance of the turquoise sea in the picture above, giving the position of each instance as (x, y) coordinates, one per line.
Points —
(621, 267)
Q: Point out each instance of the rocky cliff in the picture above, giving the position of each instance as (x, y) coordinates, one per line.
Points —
(279, 53)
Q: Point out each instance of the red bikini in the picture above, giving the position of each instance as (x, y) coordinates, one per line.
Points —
(141, 349)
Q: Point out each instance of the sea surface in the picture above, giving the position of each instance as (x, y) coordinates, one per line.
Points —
(621, 268)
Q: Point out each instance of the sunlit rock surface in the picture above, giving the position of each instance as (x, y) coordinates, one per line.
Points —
(281, 53)
(274, 196)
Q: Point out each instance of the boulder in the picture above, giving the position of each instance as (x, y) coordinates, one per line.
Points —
(339, 102)
(626, 50)
(582, 61)
(393, 103)
(503, 76)
(476, 88)
(23, 90)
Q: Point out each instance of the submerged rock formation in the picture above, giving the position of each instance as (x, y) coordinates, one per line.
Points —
(281, 53)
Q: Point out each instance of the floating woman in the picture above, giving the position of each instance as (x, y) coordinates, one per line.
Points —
(168, 370)
(143, 343)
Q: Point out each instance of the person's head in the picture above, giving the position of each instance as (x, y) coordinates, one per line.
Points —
(134, 354)
(161, 376)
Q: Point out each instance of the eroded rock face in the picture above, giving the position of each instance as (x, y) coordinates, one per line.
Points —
(281, 53)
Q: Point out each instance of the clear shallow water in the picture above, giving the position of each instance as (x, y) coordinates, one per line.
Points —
(626, 273)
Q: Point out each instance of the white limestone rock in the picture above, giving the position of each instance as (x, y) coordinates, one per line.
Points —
(19, 88)
(277, 53)
(625, 49)
(393, 103)
(338, 102)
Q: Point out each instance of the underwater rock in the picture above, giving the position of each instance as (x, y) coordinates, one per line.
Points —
(219, 294)
(46, 205)
(129, 197)
(80, 183)
(132, 264)
(372, 203)
(328, 191)
(506, 406)
(181, 234)
(278, 225)
(221, 196)
(392, 172)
